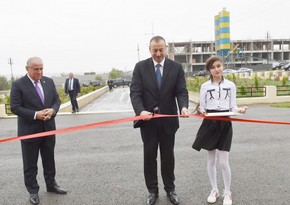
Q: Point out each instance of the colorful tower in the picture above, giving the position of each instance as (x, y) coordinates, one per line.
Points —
(222, 33)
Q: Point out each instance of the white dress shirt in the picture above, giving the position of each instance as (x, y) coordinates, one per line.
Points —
(161, 67)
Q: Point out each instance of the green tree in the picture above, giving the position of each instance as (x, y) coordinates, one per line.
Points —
(256, 81)
(115, 73)
(99, 77)
(4, 84)
(243, 90)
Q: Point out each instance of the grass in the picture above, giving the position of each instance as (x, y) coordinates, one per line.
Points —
(281, 105)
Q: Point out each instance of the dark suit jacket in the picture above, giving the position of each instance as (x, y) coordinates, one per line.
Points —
(145, 94)
(25, 101)
(76, 86)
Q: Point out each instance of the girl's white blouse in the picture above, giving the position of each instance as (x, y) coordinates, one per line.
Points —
(214, 96)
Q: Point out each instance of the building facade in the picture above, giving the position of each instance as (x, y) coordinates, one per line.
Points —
(243, 53)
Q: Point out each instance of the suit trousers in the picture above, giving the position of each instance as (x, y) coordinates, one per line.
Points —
(154, 135)
(30, 153)
(73, 100)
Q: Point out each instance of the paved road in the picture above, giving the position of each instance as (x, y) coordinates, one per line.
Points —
(115, 101)
(104, 166)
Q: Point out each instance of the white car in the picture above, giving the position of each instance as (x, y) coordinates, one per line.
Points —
(229, 71)
(245, 70)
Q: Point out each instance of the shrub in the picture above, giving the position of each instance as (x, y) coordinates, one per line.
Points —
(284, 80)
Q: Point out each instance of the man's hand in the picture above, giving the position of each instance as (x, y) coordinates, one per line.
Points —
(45, 114)
(40, 115)
(184, 112)
(147, 115)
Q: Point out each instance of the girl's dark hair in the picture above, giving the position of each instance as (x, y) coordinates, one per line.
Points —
(209, 62)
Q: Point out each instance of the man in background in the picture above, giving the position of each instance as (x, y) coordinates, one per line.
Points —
(110, 84)
(73, 88)
(35, 101)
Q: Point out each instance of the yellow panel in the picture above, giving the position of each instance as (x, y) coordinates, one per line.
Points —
(225, 46)
(224, 35)
(224, 13)
(224, 25)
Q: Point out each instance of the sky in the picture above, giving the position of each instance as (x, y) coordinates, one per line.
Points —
(98, 35)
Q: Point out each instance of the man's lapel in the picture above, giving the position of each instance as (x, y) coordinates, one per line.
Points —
(166, 68)
(152, 72)
(31, 87)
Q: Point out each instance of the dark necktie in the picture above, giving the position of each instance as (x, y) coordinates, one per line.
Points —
(39, 91)
(158, 75)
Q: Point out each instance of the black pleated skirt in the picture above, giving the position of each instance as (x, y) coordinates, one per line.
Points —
(214, 134)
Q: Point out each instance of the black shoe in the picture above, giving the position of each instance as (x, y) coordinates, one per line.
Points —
(151, 199)
(173, 197)
(77, 110)
(56, 189)
(34, 199)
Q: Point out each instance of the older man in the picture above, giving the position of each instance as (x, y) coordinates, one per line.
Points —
(35, 101)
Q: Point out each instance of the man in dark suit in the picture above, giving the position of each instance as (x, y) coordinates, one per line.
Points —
(157, 84)
(73, 88)
(35, 101)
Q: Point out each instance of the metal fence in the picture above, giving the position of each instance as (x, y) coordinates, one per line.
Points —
(243, 92)
(283, 90)
(7, 109)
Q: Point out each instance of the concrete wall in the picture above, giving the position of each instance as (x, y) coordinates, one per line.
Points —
(84, 100)
(273, 75)
(2, 111)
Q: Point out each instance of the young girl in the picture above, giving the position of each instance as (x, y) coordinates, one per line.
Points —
(217, 95)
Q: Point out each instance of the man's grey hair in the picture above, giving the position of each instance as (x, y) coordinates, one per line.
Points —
(30, 60)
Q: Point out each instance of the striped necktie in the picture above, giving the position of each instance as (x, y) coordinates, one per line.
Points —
(39, 91)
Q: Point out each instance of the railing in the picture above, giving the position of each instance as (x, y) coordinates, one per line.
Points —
(283, 90)
(7, 109)
(243, 92)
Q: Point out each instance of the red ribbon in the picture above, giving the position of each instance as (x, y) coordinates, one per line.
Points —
(130, 119)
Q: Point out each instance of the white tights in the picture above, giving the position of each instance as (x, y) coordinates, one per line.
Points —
(225, 168)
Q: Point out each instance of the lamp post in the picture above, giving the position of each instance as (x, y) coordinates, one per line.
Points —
(10, 62)
(138, 51)
(267, 45)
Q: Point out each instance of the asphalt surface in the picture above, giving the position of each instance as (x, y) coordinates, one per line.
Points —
(104, 166)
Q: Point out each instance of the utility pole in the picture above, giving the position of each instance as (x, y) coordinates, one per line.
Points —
(10, 62)
(152, 33)
(267, 45)
(138, 51)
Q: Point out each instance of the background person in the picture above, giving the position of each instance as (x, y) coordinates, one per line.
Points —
(73, 88)
(36, 112)
(217, 95)
(148, 97)
(110, 84)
